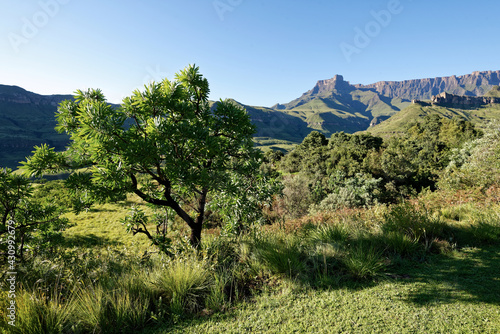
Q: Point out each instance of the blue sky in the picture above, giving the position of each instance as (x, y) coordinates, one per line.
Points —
(259, 52)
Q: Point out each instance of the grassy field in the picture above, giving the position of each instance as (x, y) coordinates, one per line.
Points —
(427, 266)
(456, 293)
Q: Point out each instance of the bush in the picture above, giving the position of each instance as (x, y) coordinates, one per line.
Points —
(358, 191)
(297, 195)
(476, 164)
(416, 224)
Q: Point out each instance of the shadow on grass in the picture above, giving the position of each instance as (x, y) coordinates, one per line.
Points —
(88, 241)
(471, 276)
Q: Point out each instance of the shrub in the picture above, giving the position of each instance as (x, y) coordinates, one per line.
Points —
(297, 195)
(476, 164)
(358, 191)
(415, 223)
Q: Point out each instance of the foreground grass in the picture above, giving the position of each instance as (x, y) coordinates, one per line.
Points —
(454, 293)
(426, 266)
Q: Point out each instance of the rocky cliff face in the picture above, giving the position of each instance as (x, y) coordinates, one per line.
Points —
(459, 101)
(336, 83)
(475, 84)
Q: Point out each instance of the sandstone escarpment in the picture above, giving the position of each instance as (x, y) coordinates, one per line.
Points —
(450, 100)
(475, 84)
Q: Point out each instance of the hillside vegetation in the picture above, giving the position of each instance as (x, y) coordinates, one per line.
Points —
(373, 235)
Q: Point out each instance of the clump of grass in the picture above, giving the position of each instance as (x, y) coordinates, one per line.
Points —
(331, 233)
(485, 226)
(185, 282)
(281, 255)
(397, 243)
(217, 298)
(123, 309)
(363, 260)
(416, 224)
(37, 312)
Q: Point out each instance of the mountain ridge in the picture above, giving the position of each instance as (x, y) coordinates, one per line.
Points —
(477, 83)
(332, 105)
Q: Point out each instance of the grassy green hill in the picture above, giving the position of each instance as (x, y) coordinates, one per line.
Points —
(494, 92)
(395, 124)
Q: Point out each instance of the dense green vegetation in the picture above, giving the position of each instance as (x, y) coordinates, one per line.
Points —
(165, 145)
(352, 233)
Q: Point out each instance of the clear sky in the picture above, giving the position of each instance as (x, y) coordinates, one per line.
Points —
(259, 52)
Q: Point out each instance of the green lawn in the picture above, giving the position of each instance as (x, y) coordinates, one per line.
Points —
(454, 293)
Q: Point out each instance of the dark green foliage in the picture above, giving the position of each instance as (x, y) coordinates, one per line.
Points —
(27, 220)
(165, 144)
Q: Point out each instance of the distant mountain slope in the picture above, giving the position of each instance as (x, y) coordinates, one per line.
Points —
(475, 84)
(26, 119)
(335, 105)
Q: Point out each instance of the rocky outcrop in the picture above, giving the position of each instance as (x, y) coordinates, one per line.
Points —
(450, 100)
(475, 84)
(336, 83)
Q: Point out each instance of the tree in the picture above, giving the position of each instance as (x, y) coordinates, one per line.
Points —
(25, 219)
(165, 144)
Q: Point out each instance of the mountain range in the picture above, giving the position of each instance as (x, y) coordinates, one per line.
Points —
(332, 105)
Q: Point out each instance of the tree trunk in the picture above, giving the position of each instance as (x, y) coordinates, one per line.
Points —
(198, 224)
(196, 235)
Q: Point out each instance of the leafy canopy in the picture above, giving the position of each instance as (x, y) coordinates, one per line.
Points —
(166, 144)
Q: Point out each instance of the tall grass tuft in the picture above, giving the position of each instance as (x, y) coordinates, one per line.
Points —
(37, 312)
(281, 255)
(416, 224)
(363, 260)
(121, 305)
(485, 226)
(331, 233)
(397, 243)
(185, 282)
